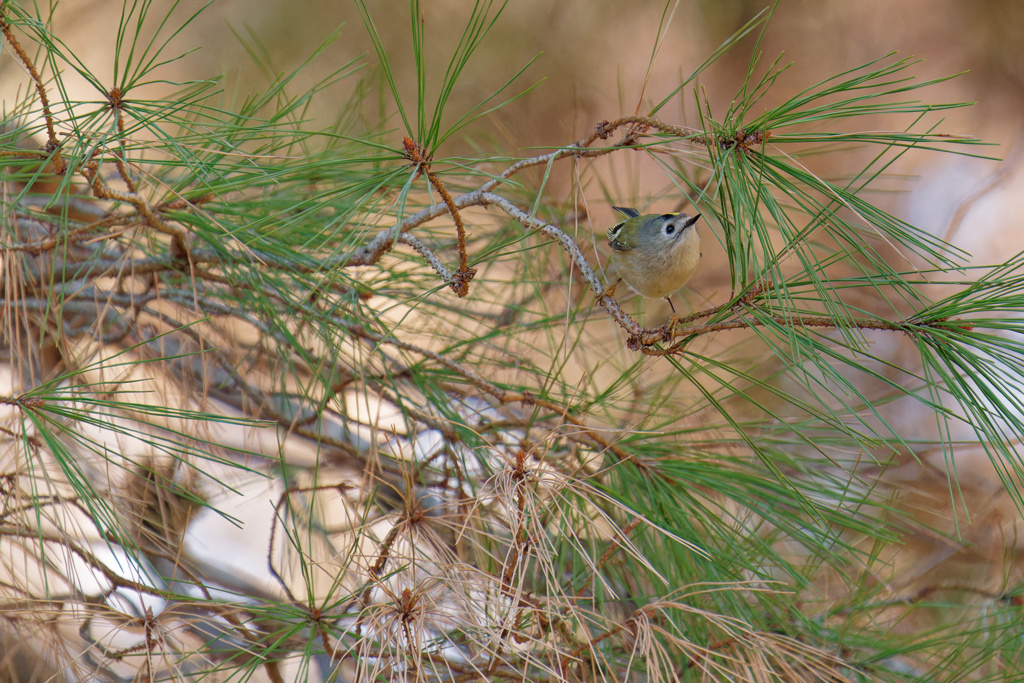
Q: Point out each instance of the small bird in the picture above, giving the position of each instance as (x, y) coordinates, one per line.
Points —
(654, 254)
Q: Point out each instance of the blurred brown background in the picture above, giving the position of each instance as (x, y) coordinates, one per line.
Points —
(594, 56)
(596, 52)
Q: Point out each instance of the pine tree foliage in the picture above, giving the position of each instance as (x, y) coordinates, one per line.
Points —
(395, 377)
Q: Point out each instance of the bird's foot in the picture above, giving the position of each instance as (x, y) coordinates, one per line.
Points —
(608, 291)
(669, 329)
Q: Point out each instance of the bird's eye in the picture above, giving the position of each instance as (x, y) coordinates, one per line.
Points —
(670, 228)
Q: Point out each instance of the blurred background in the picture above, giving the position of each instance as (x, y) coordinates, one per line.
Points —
(593, 58)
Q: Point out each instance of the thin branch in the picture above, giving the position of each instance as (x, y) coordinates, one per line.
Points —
(52, 144)
(459, 282)
(782, 321)
(427, 254)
